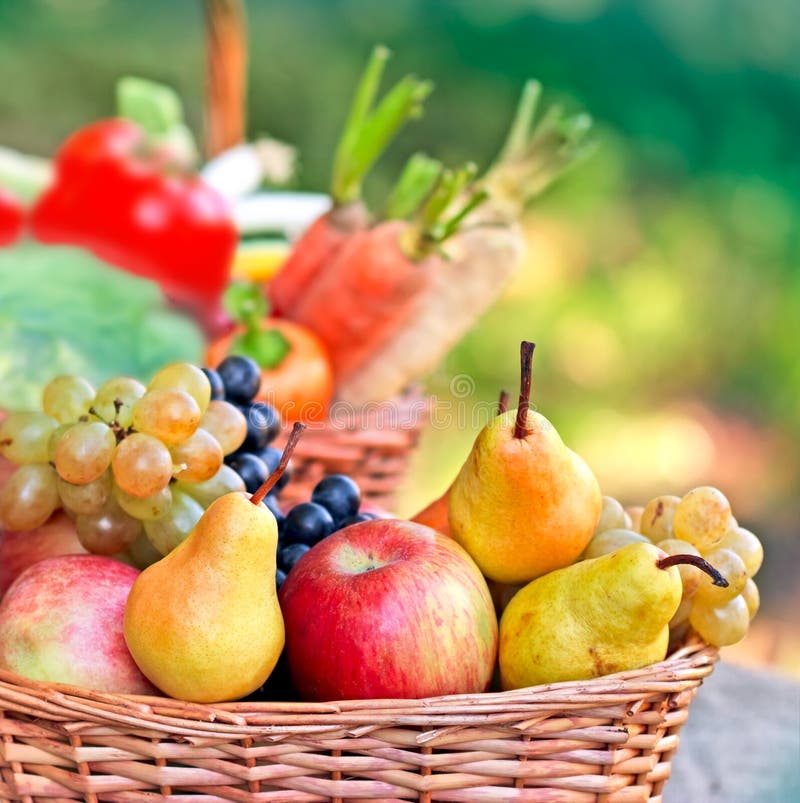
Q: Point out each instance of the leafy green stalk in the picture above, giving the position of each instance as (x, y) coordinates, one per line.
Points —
(533, 156)
(418, 178)
(435, 221)
(369, 128)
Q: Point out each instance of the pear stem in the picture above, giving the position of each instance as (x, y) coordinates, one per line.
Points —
(258, 497)
(526, 358)
(502, 402)
(693, 560)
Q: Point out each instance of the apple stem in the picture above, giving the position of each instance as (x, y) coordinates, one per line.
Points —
(270, 481)
(502, 403)
(693, 560)
(526, 358)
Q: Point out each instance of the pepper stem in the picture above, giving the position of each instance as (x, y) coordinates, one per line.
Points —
(258, 497)
(526, 358)
(693, 560)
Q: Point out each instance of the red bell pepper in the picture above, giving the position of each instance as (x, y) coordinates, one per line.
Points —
(126, 200)
(12, 217)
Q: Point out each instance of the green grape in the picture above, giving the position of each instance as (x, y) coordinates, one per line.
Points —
(169, 415)
(115, 399)
(691, 576)
(84, 451)
(142, 465)
(702, 518)
(634, 514)
(681, 615)
(747, 546)
(198, 457)
(142, 552)
(87, 498)
(731, 567)
(147, 507)
(656, 521)
(66, 398)
(29, 497)
(24, 437)
(751, 597)
(226, 423)
(52, 441)
(168, 531)
(610, 541)
(721, 625)
(109, 531)
(612, 516)
(226, 480)
(184, 376)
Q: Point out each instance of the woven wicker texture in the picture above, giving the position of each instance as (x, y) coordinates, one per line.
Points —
(373, 446)
(608, 740)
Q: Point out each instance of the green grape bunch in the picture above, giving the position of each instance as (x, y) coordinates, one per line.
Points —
(133, 465)
(700, 523)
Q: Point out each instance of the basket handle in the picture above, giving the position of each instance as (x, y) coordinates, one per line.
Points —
(226, 74)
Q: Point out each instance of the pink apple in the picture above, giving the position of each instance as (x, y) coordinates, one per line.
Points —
(20, 549)
(7, 468)
(61, 622)
(388, 608)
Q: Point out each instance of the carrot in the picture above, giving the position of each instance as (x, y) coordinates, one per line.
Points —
(367, 132)
(371, 288)
(483, 257)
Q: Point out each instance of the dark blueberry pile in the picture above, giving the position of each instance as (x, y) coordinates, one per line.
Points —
(335, 504)
(237, 380)
(335, 500)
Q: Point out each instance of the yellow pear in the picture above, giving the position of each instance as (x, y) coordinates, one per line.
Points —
(602, 615)
(523, 504)
(203, 623)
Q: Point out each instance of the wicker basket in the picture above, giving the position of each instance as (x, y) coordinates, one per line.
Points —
(373, 446)
(608, 740)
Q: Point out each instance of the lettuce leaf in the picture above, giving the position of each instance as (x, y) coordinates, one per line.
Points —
(64, 311)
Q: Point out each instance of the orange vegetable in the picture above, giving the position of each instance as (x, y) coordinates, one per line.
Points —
(296, 377)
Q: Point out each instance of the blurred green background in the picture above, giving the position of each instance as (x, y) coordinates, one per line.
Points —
(663, 281)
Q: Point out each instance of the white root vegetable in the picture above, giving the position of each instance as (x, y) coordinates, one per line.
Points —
(483, 256)
(482, 261)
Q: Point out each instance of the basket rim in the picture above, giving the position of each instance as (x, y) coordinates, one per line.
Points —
(682, 670)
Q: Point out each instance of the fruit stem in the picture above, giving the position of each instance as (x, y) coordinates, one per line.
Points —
(693, 560)
(258, 497)
(526, 358)
(502, 402)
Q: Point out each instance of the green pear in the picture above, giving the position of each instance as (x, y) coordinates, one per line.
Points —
(523, 504)
(203, 623)
(602, 615)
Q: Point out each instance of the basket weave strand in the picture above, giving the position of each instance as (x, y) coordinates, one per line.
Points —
(607, 740)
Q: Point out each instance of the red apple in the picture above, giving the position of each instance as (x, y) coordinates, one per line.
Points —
(388, 608)
(20, 549)
(61, 622)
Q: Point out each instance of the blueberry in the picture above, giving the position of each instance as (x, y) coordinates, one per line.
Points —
(215, 380)
(271, 501)
(289, 555)
(250, 468)
(307, 523)
(271, 457)
(339, 495)
(280, 576)
(357, 519)
(241, 377)
(263, 424)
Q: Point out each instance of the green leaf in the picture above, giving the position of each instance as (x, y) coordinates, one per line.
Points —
(267, 347)
(64, 311)
(155, 107)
